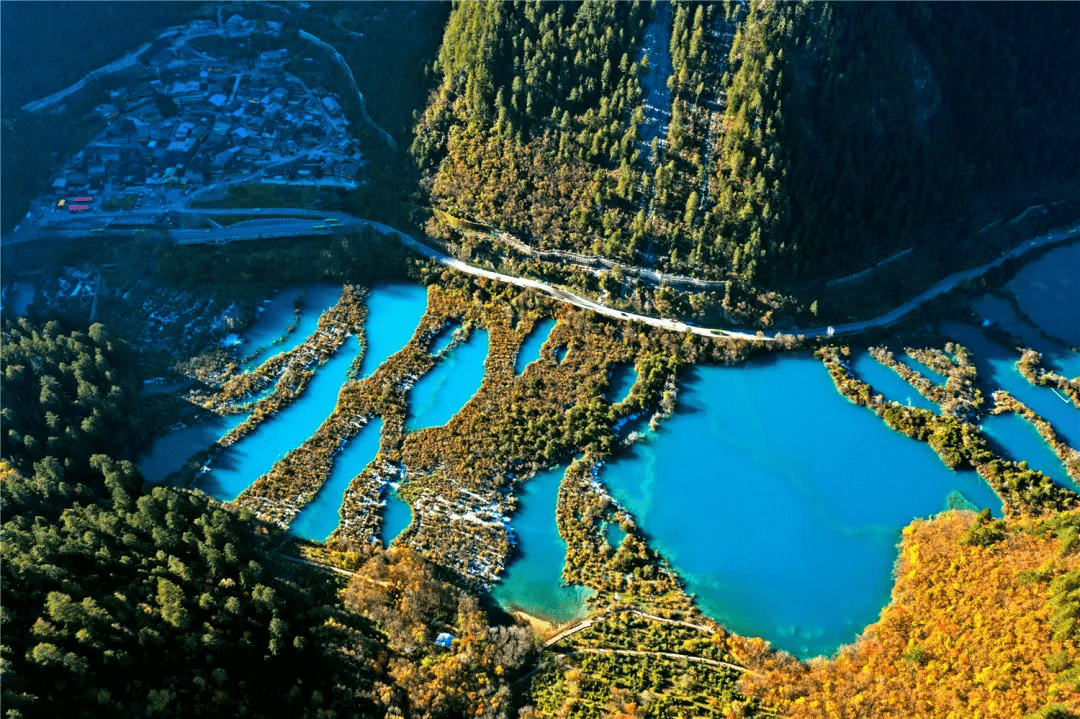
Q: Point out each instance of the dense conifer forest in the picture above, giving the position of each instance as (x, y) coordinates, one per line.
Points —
(804, 141)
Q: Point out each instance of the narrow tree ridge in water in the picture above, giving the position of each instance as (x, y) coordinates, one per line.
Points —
(239, 465)
(320, 517)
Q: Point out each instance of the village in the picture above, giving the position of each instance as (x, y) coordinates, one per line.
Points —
(187, 124)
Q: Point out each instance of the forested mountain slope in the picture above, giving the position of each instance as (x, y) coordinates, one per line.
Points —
(805, 140)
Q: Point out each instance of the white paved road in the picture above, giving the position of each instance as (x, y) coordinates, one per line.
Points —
(283, 222)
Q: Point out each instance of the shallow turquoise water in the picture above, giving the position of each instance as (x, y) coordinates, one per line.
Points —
(1048, 291)
(996, 366)
(533, 580)
(321, 516)
(889, 384)
(614, 535)
(781, 503)
(1017, 439)
(440, 393)
(169, 453)
(530, 348)
(275, 318)
(316, 299)
(397, 516)
(238, 466)
(623, 377)
(1055, 357)
(394, 312)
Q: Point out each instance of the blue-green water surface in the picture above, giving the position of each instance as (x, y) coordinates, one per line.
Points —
(534, 342)
(397, 516)
(996, 367)
(238, 466)
(919, 367)
(1048, 291)
(315, 300)
(394, 311)
(887, 383)
(321, 516)
(440, 393)
(1017, 439)
(623, 377)
(168, 454)
(276, 315)
(533, 580)
(1055, 357)
(781, 503)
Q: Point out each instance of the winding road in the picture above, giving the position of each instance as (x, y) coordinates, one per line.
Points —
(943, 286)
(284, 222)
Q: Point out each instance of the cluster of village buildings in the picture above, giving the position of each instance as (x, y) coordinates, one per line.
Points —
(190, 120)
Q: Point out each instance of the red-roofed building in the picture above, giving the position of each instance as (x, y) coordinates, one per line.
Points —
(82, 199)
(78, 208)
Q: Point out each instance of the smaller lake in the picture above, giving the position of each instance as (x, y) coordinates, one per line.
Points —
(321, 516)
(394, 310)
(168, 454)
(622, 379)
(534, 342)
(397, 516)
(1017, 439)
(1055, 357)
(275, 317)
(889, 384)
(614, 534)
(238, 466)
(271, 325)
(1048, 291)
(443, 391)
(533, 581)
(996, 367)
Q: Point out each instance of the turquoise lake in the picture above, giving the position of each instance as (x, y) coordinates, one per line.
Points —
(280, 314)
(321, 516)
(1048, 291)
(397, 516)
(781, 503)
(1055, 357)
(439, 394)
(777, 500)
(169, 453)
(275, 316)
(534, 342)
(394, 312)
(623, 377)
(887, 383)
(533, 580)
(919, 367)
(1017, 439)
(442, 339)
